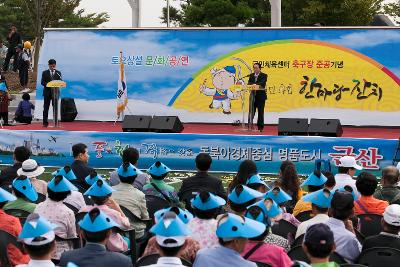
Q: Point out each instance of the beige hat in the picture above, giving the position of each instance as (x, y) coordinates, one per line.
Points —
(30, 169)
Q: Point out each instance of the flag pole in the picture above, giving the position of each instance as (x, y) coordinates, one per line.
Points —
(120, 78)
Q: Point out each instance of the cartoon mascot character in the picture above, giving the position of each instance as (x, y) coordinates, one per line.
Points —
(223, 80)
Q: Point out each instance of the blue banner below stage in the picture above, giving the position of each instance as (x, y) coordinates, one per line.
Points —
(178, 151)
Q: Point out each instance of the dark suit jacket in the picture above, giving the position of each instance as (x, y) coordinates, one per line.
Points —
(262, 82)
(381, 240)
(201, 181)
(94, 255)
(81, 170)
(46, 78)
(8, 175)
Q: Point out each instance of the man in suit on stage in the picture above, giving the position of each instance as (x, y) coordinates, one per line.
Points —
(259, 96)
(48, 76)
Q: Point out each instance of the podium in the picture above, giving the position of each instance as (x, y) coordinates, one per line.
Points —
(56, 85)
(250, 91)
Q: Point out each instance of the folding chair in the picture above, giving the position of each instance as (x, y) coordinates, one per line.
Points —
(370, 224)
(155, 203)
(304, 216)
(284, 229)
(377, 257)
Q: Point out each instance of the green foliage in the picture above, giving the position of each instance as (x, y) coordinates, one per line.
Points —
(232, 13)
(393, 9)
(31, 16)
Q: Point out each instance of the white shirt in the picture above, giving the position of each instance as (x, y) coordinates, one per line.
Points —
(75, 199)
(319, 218)
(38, 263)
(343, 179)
(167, 261)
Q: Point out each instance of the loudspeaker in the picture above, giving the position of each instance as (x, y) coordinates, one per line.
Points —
(136, 123)
(166, 124)
(68, 109)
(325, 127)
(288, 126)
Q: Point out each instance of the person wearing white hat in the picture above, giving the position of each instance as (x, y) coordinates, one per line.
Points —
(38, 238)
(347, 168)
(389, 237)
(31, 169)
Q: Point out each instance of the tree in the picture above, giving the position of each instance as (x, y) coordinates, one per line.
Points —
(32, 16)
(393, 9)
(257, 12)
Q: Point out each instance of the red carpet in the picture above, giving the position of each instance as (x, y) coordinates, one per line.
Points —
(356, 132)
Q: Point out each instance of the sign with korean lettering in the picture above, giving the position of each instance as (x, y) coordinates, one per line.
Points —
(351, 74)
(178, 151)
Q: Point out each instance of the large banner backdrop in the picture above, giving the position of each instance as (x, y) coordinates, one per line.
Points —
(178, 151)
(349, 74)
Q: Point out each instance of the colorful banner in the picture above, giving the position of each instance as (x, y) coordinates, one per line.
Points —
(178, 151)
(348, 74)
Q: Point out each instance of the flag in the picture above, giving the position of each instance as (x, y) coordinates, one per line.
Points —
(122, 93)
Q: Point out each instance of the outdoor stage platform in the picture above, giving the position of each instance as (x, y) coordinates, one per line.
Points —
(373, 147)
(202, 128)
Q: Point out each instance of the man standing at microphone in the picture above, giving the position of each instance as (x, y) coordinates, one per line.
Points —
(260, 96)
(47, 76)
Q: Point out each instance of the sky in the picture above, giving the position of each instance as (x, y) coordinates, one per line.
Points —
(120, 11)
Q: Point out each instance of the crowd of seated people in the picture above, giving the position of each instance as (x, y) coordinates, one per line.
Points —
(80, 218)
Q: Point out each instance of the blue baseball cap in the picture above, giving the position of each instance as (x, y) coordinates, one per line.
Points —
(319, 234)
(257, 213)
(256, 179)
(23, 185)
(349, 189)
(278, 195)
(170, 231)
(269, 206)
(183, 214)
(92, 178)
(96, 221)
(34, 227)
(242, 194)
(234, 226)
(207, 201)
(321, 198)
(316, 178)
(158, 169)
(99, 189)
(61, 184)
(130, 171)
(6, 196)
(65, 171)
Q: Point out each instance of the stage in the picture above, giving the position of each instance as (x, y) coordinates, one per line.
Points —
(202, 128)
(373, 147)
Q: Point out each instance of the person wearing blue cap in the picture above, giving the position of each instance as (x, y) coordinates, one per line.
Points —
(233, 232)
(100, 192)
(130, 197)
(171, 235)
(314, 182)
(259, 213)
(38, 238)
(57, 191)
(92, 178)
(23, 189)
(281, 198)
(255, 182)
(205, 207)
(130, 155)
(191, 246)
(320, 203)
(75, 198)
(241, 197)
(319, 244)
(96, 228)
(157, 186)
(260, 251)
(11, 225)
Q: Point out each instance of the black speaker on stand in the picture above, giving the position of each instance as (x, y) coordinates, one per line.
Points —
(166, 124)
(289, 126)
(325, 127)
(136, 123)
